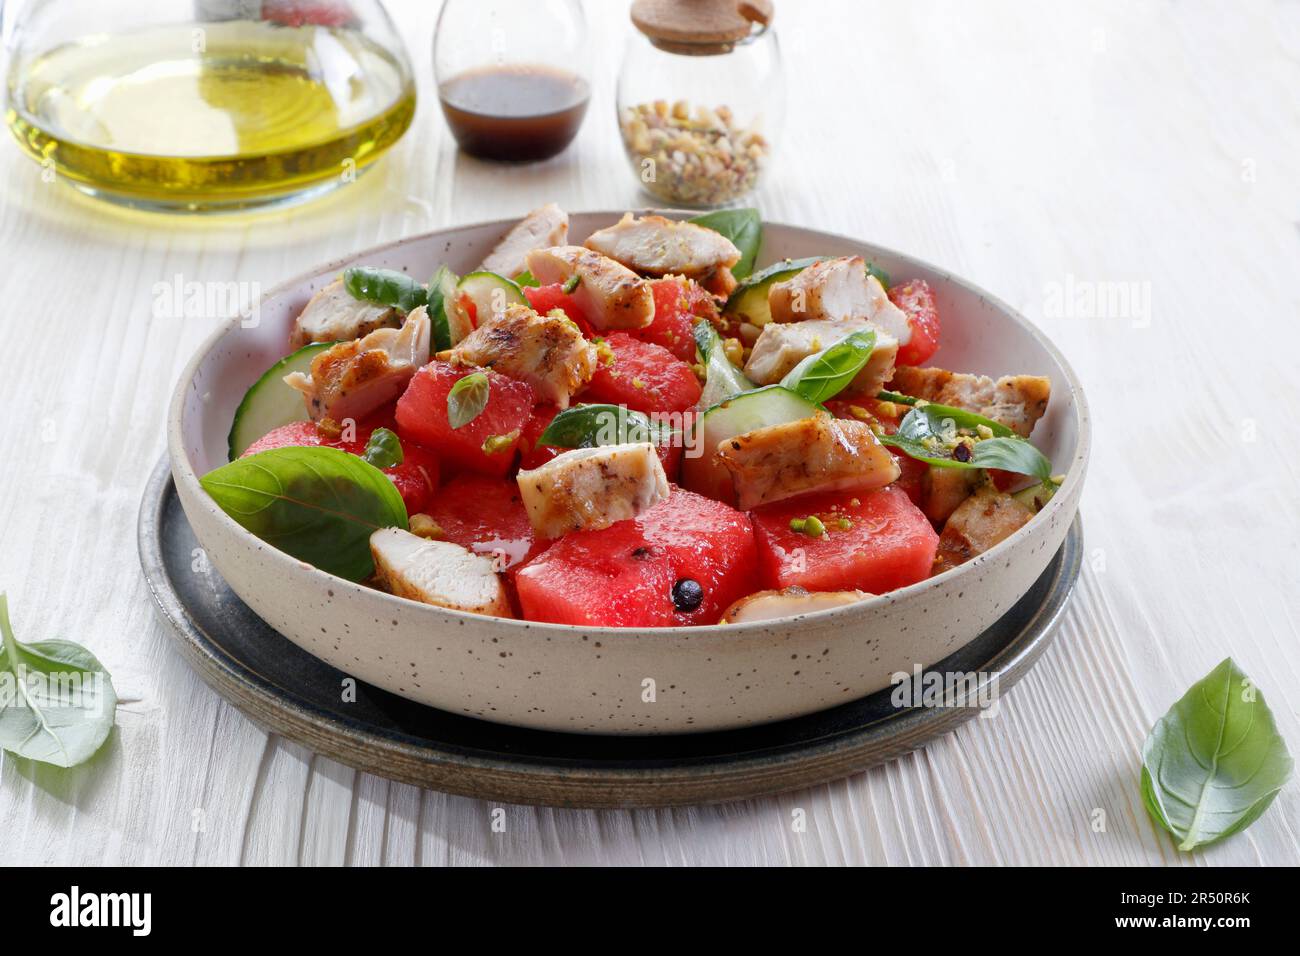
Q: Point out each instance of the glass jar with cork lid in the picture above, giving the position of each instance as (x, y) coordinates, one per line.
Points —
(701, 98)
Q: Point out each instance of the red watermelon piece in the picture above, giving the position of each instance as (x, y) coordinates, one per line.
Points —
(544, 298)
(642, 376)
(916, 299)
(486, 515)
(416, 478)
(888, 543)
(678, 303)
(422, 416)
(623, 575)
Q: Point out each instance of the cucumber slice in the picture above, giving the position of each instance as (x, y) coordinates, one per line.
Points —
(270, 403)
(722, 380)
(748, 303)
(450, 322)
(770, 405)
(490, 293)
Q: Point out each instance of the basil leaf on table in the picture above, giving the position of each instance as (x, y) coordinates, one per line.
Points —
(744, 228)
(825, 374)
(386, 287)
(384, 449)
(467, 399)
(925, 430)
(56, 699)
(589, 426)
(1215, 761)
(318, 504)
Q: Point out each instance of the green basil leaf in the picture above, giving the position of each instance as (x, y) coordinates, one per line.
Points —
(722, 380)
(318, 504)
(384, 449)
(744, 228)
(1215, 761)
(386, 287)
(879, 273)
(467, 399)
(926, 431)
(825, 374)
(56, 699)
(589, 426)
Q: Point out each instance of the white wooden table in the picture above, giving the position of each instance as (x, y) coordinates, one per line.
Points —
(1049, 152)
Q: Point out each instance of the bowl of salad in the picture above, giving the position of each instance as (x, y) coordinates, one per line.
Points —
(629, 473)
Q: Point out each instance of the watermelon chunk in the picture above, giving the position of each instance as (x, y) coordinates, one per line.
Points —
(422, 416)
(916, 299)
(624, 575)
(486, 515)
(678, 303)
(642, 376)
(416, 478)
(888, 543)
(534, 455)
(544, 298)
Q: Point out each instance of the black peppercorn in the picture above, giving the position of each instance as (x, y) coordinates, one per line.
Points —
(687, 595)
(961, 452)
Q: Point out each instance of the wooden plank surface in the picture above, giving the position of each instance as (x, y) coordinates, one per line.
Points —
(1046, 151)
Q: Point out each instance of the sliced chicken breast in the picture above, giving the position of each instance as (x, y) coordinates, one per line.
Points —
(944, 489)
(546, 351)
(783, 345)
(587, 489)
(838, 289)
(653, 245)
(813, 454)
(437, 572)
(1017, 401)
(610, 294)
(769, 605)
(333, 315)
(352, 379)
(981, 521)
(545, 226)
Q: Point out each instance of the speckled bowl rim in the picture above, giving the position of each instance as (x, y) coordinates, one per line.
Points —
(183, 471)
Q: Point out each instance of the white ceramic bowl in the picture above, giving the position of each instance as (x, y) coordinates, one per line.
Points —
(594, 680)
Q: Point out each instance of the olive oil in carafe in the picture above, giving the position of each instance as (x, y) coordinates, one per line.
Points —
(257, 113)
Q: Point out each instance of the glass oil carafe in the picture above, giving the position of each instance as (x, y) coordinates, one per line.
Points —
(206, 105)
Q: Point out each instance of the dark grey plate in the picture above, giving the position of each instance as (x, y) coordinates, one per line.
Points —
(286, 690)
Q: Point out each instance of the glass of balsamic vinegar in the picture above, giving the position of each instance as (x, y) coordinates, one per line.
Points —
(501, 92)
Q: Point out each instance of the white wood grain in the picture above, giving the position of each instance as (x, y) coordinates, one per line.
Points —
(1022, 145)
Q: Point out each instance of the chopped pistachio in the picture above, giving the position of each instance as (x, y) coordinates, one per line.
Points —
(425, 527)
(571, 283)
(813, 527)
(495, 443)
(857, 411)
(983, 431)
(844, 524)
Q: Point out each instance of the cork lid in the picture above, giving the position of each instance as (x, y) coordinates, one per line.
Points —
(700, 26)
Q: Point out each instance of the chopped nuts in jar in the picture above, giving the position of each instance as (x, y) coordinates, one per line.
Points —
(699, 158)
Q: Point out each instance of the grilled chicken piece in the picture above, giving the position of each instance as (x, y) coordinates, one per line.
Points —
(768, 605)
(838, 289)
(653, 245)
(820, 453)
(545, 226)
(546, 351)
(980, 522)
(332, 315)
(587, 489)
(352, 379)
(610, 294)
(944, 489)
(1017, 401)
(437, 572)
(782, 346)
